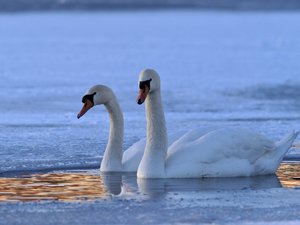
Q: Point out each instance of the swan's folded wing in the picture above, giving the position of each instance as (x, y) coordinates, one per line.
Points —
(227, 149)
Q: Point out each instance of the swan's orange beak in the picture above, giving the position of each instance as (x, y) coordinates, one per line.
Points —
(142, 95)
(86, 106)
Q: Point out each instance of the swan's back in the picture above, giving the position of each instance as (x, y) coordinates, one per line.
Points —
(220, 153)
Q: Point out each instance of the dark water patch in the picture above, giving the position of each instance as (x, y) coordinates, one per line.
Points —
(269, 92)
(24, 173)
(243, 119)
(32, 125)
(292, 158)
(92, 5)
(46, 166)
(259, 119)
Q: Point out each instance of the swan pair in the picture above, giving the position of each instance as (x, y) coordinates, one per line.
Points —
(227, 152)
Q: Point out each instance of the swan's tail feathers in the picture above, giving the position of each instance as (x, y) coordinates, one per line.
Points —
(286, 143)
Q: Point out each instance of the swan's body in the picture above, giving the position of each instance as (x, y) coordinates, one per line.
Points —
(133, 155)
(219, 153)
(114, 159)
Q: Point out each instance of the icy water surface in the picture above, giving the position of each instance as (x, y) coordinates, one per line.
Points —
(217, 68)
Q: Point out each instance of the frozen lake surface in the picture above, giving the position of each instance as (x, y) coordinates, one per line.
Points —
(217, 69)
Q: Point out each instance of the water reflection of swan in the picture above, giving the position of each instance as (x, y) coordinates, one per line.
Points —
(117, 183)
(125, 184)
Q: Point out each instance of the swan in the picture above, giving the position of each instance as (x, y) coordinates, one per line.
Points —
(114, 160)
(224, 152)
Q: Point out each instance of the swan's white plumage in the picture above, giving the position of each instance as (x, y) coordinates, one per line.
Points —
(218, 153)
(225, 153)
(133, 155)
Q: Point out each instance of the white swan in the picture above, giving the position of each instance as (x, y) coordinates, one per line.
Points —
(219, 153)
(114, 160)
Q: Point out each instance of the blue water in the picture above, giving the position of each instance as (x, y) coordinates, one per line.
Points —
(220, 69)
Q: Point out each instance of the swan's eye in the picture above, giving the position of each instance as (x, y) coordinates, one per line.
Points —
(88, 97)
(144, 84)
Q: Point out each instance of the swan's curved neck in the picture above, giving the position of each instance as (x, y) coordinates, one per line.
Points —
(112, 159)
(153, 161)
